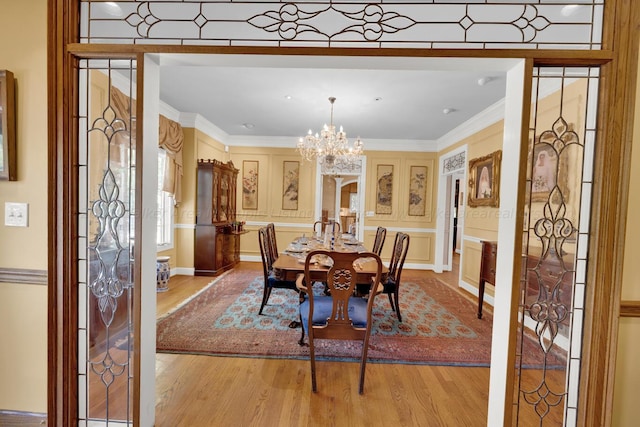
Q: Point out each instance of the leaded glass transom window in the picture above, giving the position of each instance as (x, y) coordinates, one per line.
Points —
(495, 24)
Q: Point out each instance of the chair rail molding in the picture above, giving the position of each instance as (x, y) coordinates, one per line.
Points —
(23, 275)
(630, 308)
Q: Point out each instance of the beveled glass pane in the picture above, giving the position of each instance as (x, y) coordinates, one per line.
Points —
(557, 218)
(105, 197)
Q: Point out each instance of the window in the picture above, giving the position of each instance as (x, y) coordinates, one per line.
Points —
(164, 228)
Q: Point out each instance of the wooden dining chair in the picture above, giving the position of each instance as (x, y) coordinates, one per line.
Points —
(273, 243)
(341, 316)
(322, 225)
(268, 257)
(381, 234)
(392, 282)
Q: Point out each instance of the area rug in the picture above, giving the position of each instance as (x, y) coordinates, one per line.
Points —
(439, 326)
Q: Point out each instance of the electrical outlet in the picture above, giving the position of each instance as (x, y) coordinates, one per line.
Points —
(16, 214)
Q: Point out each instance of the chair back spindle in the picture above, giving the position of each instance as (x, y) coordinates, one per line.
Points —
(381, 234)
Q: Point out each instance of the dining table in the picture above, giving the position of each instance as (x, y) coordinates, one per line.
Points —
(290, 263)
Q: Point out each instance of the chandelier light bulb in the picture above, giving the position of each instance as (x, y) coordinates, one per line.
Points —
(330, 148)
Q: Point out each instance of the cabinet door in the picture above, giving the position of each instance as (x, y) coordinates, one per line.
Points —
(215, 191)
(232, 196)
(224, 198)
(205, 193)
(220, 250)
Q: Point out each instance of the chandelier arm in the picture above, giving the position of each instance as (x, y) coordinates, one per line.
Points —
(331, 149)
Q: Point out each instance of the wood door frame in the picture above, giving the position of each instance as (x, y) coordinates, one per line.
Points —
(618, 60)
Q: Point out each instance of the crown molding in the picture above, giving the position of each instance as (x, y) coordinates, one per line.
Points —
(195, 120)
(488, 117)
(369, 144)
(169, 112)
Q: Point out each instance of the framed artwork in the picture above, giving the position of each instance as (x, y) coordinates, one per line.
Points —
(250, 184)
(290, 181)
(7, 127)
(484, 180)
(417, 190)
(384, 189)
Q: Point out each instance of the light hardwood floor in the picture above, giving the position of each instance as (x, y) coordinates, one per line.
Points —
(208, 391)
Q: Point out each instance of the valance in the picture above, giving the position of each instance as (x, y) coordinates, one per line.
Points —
(170, 138)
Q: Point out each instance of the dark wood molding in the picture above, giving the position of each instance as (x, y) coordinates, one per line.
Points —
(611, 180)
(63, 25)
(22, 275)
(630, 309)
(546, 57)
(608, 217)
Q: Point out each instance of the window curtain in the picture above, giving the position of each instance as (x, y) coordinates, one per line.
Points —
(170, 138)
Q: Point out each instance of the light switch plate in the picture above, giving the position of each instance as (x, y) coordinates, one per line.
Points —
(16, 214)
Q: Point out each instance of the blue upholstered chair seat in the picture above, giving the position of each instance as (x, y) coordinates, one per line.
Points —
(389, 285)
(274, 282)
(322, 306)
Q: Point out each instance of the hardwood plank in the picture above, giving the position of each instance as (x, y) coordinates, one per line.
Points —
(205, 390)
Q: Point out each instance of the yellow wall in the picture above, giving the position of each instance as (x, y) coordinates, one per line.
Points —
(480, 222)
(296, 222)
(626, 410)
(422, 245)
(270, 189)
(23, 307)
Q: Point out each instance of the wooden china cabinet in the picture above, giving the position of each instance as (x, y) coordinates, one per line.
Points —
(217, 244)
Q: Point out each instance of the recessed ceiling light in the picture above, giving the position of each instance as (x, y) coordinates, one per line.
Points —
(449, 110)
(484, 80)
(287, 97)
(377, 98)
(247, 125)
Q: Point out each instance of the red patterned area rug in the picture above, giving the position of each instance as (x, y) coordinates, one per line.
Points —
(439, 326)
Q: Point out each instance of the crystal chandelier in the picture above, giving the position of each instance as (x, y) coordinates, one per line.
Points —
(332, 148)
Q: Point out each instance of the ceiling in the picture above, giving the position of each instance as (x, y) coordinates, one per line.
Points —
(380, 99)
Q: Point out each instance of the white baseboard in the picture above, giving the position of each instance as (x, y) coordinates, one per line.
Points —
(416, 266)
(183, 271)
(474, 291)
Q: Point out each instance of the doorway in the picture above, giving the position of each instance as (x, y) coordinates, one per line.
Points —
(458, 212)
(341, 198)
(449, 195)
(451, 199)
